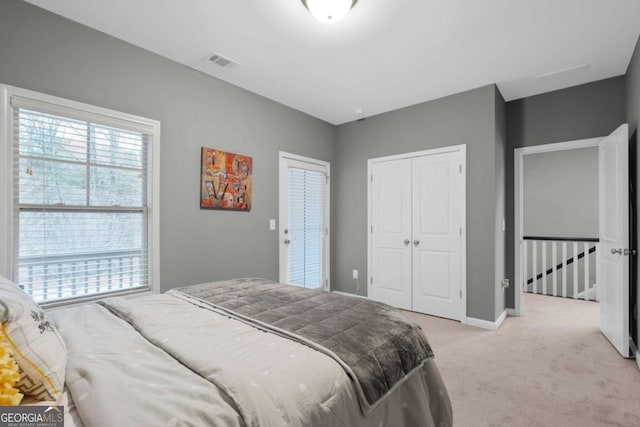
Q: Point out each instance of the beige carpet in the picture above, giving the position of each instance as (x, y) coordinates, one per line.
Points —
(551, 367)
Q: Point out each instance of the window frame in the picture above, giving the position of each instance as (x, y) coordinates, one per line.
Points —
(82, 111)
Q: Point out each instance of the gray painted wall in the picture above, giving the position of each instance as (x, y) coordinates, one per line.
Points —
(633, 118)
(44, 52)
(50, 54)
(500, 188)
(561, 193)
(580, 112)
(466, 118)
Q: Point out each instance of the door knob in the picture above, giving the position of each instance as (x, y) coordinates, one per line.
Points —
(630, 252)
(287, 241)
(407, 241)
(616, 251)
(416, 242)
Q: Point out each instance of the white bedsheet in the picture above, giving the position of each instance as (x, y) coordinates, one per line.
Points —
(184, 365)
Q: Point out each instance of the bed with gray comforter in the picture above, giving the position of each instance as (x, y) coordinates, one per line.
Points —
(249, 352)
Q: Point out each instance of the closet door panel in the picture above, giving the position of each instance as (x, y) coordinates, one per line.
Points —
(437, 222)
(391, 233)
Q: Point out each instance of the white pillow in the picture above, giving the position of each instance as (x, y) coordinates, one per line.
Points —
(37, 346)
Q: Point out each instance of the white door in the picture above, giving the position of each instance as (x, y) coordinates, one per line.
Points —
(438, 199)
(304, 221)
(612, 254)
(390, 192)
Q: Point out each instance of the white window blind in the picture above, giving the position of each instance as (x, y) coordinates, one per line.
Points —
(81, 199)
(306, 227)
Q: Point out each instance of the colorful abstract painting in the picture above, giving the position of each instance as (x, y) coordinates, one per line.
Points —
(225, 181)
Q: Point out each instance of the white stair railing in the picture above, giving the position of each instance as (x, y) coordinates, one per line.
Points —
(560, 266)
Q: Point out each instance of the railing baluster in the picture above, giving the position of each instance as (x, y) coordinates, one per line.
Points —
(586, 271)
(596, 286)
(534, 249)
(74, 279)
(575, 270)
(86, 277)
(110, 281)
(121, 271)
(98, 275)
(525, 264)
(544, 268)
(564, 269)
(59, 280)
(45, 282)
(30, 281)
(554, 269)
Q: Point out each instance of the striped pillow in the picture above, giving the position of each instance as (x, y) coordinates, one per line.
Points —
(34, 342)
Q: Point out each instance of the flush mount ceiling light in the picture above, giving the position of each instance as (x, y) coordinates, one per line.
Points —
(329, 11)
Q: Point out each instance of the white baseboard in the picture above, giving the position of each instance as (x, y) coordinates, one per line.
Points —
(349, 294)
(485, 324)
(511, 312)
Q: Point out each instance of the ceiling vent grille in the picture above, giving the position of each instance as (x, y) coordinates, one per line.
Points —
(221, 61)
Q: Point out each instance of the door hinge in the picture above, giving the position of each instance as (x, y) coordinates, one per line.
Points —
(372, 229)
(460, 168)
(460, 293)
(372, 280)
(371, 178)
(461, 231)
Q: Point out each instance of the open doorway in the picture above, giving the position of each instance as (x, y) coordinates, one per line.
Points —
(573, 186)
(560, 222)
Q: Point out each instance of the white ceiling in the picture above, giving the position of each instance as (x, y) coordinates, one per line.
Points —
(386, 54)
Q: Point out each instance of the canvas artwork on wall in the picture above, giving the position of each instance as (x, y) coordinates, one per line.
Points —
(225, 181)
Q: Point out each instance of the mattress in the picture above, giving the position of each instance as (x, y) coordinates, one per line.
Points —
(172, 362)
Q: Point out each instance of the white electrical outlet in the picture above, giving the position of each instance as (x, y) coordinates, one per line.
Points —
(355, 274)
(272, 224)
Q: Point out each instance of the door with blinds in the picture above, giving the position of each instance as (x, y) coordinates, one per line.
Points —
(304, 221)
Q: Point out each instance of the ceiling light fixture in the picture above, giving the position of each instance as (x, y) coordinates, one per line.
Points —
(329, 11)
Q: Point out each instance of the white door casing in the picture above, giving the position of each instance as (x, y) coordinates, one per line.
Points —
(612, 255)
(518, 211)
(417, 233)
(391, 232)
(437, 232)
(286, 162)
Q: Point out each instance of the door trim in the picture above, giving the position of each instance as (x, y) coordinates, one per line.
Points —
(462, 148)
(283, 157)
(518, 205)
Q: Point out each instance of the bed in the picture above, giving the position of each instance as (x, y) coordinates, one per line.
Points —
(247, 352)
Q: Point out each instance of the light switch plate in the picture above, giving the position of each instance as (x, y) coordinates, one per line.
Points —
(272, 224)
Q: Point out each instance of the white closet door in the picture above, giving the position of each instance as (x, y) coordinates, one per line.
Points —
(391, 233)
(438, 200)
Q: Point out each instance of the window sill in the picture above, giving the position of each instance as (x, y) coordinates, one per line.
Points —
(59, 305)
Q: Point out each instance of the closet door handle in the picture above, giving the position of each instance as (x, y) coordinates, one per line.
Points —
(416, 242)
(406, 241)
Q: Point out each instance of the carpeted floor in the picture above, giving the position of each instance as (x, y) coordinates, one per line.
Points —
(551, 367)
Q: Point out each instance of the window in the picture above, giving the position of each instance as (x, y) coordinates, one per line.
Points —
(306, 227)
(83, 198)
(304, 221)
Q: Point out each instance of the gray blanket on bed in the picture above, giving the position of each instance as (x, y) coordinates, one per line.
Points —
(377, 345)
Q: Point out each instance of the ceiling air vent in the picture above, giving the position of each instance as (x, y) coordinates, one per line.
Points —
(221, 61)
